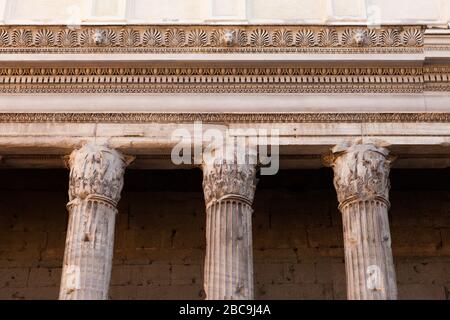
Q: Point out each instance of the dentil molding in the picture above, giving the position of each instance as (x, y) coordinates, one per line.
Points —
(224, 79)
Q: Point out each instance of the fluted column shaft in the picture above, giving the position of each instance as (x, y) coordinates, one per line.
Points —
(229, 191)
(362, 184)
(96, 181)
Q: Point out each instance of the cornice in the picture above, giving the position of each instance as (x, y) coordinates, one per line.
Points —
(225, 117)
(225, 80)
(211, 39)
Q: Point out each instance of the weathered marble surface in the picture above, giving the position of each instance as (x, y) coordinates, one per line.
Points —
(95, 184)
(361, 179)
(229, 188)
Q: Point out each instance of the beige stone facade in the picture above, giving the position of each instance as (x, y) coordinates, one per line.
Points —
(103, 95)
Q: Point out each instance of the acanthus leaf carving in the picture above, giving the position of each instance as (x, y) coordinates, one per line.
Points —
(361, 172)
(227, 177)
(96, 170)
(222, 179)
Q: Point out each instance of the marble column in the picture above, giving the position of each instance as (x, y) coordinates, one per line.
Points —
(361, 179)
(229, 189)
(95, 184)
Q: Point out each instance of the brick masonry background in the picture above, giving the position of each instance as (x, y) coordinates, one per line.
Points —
(160, 241)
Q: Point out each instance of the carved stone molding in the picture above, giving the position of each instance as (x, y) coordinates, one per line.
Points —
(96, 171)
(427, 117)
(223, 80)
(245, 88)
(180, 38)
(361, 172)
(80, 72)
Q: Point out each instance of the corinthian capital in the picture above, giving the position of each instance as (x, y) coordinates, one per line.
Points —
(361, 172)
(96, 171)
(225, 176)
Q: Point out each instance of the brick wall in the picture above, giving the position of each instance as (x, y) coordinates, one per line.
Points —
(160, 243)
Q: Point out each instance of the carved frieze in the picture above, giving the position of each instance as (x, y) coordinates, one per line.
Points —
(169, 39)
